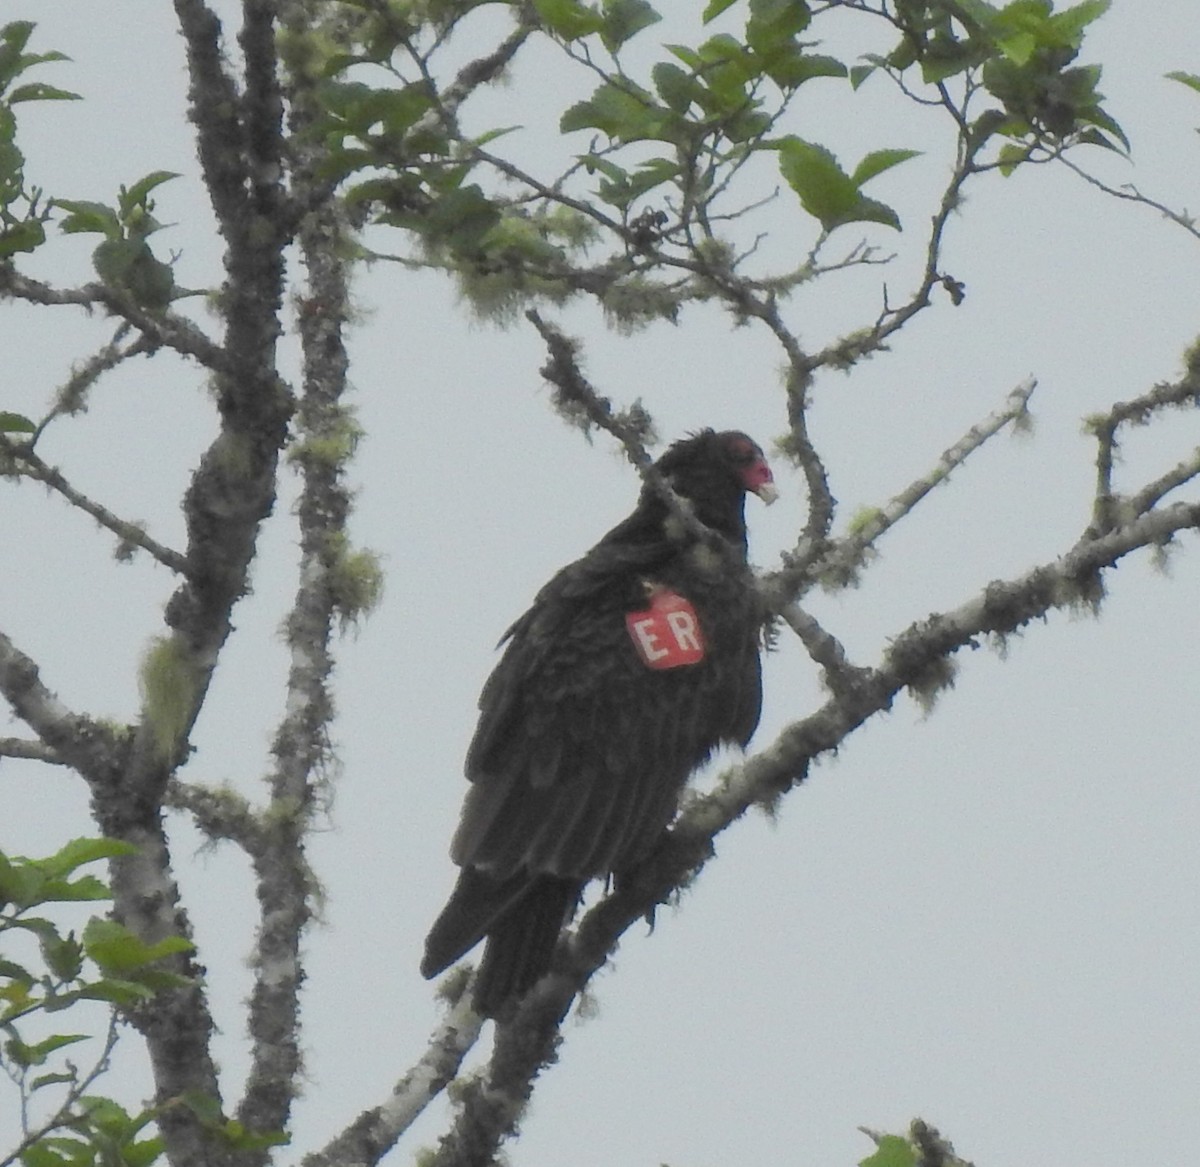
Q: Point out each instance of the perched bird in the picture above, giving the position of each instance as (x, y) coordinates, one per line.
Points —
(633, 664)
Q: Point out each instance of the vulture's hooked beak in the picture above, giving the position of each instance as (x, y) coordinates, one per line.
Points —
(767, 491)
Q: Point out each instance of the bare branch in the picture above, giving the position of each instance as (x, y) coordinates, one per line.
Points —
(824, 649)
(218, 813)
(159, 328)
(578, 401)
(1153, 492)
(1130, 193)
(327, 439)
(487, 68)
(843, 557)
(1140, 410)
(72, 394)
(376, 1131)
(73, 740)
(215, 106)
(34, 751)
(29, 465)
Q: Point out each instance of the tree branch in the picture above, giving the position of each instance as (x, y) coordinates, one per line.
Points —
(29, 465)
(839, 560)
(327, 439)
(376, 1131)
(34, 751)
(159, 328)
(219, 814)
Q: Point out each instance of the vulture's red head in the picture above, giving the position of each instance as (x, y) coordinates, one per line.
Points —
(714, 472)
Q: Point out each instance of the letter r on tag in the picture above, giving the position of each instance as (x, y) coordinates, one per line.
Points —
(667, 634)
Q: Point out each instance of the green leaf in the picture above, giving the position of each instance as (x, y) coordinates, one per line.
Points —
(240, 1139)
(1019, 48)
(130, 264)
(1070, 24)
(1010, 157)
(859, 74)
(143, 1152)
(36, 1054)
(892, 1151)
(63, 956)
(57, 1151)
(568, 18)
(204, 1106)
(13, 39)
(686, 54)
(623, 188)
(610, 170)
(878, 161)
(624, 19)
(826, 191)
(774, 25)
(116, 950)
(78, 852)
(677, 88)
(21, 881)
(51, 1080)
(26, 236)
(88, 217)
(123, 993)
(727, 68)
(747, 124)
(867, 210)
(135, 196)
(714, 8)
(1097, 117)
(37, 91)
(790, 69)
(15, 423)
(944, 58)
(624, 112)
(11, 971)
(460, 219)
(1191, 80)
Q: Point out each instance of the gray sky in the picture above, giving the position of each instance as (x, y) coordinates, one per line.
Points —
(988, 917)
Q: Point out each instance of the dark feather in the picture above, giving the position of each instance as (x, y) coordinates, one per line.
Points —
(582, 749)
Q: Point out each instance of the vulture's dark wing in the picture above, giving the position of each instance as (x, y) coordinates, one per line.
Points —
(581, 747)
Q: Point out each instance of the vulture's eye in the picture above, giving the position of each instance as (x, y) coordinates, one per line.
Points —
(743, 450)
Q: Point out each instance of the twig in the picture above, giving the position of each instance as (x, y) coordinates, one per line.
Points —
(34, 751)
(824, 649)
(62, 1116)
(577, 400)
(74, 740)
(843, 556)
(219, 814)
(29, 465)
(159, 328)
(1139, 410)
(1130, 193)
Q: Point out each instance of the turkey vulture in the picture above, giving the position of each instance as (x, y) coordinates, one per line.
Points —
(633, 664)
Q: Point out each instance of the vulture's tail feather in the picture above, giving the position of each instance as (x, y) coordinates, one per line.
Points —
(521, 942)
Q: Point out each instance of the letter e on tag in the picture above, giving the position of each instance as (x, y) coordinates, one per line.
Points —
(667, 634)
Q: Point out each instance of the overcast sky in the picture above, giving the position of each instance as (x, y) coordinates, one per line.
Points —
(989, 917)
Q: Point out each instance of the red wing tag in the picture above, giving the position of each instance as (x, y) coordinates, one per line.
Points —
(667, 634)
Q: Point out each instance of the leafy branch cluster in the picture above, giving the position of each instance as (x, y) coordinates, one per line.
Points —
(62, 1122)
